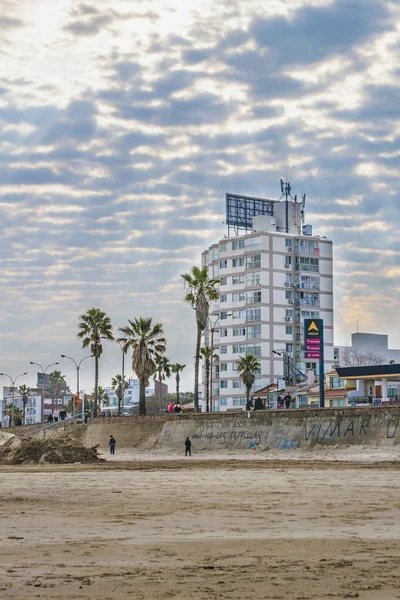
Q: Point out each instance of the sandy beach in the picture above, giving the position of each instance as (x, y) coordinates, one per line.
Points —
(201, 529)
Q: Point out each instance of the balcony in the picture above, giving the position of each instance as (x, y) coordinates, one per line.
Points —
(307, 250)
(252, 247)
(255, 283)
(307, 302)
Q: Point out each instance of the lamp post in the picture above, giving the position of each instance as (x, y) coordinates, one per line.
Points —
(44, 371)
(78, 366)
(212, 329)
(12, 392)
(123, 377)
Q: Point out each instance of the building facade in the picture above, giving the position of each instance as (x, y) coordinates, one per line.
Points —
(131, 396)
(272, 278)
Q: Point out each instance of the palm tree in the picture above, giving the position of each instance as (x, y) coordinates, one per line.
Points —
(102, 396)
(25, 392)
(247, 367)
(200, 289)
(163, 371)
(177, 368)
(15, 413)
(119, 388)
(148, 344)
(94, 326)
(206, 356)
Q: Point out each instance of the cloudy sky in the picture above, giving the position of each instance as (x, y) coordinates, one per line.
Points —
(123, 124)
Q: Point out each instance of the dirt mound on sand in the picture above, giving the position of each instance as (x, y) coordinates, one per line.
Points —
(53, 450)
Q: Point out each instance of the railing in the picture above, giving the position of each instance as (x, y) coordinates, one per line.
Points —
(371, 400)
(306, 302)
(252, 247)
(57, 425)
(314, 251)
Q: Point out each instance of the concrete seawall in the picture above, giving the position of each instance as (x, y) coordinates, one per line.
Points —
(376, 426)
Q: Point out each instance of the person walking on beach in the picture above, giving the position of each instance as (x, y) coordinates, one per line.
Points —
(188, 446)
(112, 443)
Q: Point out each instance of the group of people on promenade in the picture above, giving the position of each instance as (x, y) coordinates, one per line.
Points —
(282, 402)
(174, 407)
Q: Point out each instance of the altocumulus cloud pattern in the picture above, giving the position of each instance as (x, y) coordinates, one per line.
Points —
(123, 124)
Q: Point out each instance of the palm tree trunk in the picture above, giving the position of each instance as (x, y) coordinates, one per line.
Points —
(96, 384)
(160, 392)
(248, 394)
(119, 402)
(177, 387)
(24, 405)
(142, 397)
(207, 386)
(196, 371)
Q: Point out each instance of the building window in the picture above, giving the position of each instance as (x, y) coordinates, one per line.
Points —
(336, 403)
(289, 330)
(288, 243)
(239, 349)
(311, 365)
(289, 347)
(237, 314)
(238, 262)
(239, 297)
(223, 332)
(288, 295)
(223, 247)
(253, 261)
(237, 244)
(302, 400)
(223, 315)
(289, 313)
(253, 331)
(238, 279)
(224, 385)
(253, 314)
(254, 349)
(223, 264)
(223, 281)
(223, 349)
(304, 263)
(223, 367)
(239, 331)
(253, 297)
(288, 260)
(337, 383)
(253, 279)
(223, 298)
(238, 383)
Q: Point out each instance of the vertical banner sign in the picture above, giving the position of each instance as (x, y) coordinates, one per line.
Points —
(314, 349)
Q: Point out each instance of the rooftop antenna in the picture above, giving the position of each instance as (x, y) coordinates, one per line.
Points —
(286, 190)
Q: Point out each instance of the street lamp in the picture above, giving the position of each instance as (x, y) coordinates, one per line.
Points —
(212, 329)
(123, 376)
(78, 366)
(44, 371)
(103, 337)
(13, 391)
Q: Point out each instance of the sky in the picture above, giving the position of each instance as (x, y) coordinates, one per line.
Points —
(124, 123)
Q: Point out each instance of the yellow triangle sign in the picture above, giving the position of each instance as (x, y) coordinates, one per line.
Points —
(313, 327)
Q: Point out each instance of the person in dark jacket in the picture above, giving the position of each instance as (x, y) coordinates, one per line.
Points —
(288, 400)
(188, 447)
(112, 443)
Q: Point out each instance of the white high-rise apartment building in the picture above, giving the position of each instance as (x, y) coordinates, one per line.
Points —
(273, 276)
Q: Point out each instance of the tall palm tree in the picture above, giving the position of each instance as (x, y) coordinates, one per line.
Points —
(25, 392)
(163, 371)
(119, 388)
(206, 356)
(247, 367)
(177, 368)
(148, 343)
(95, 325)
(200, 290)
